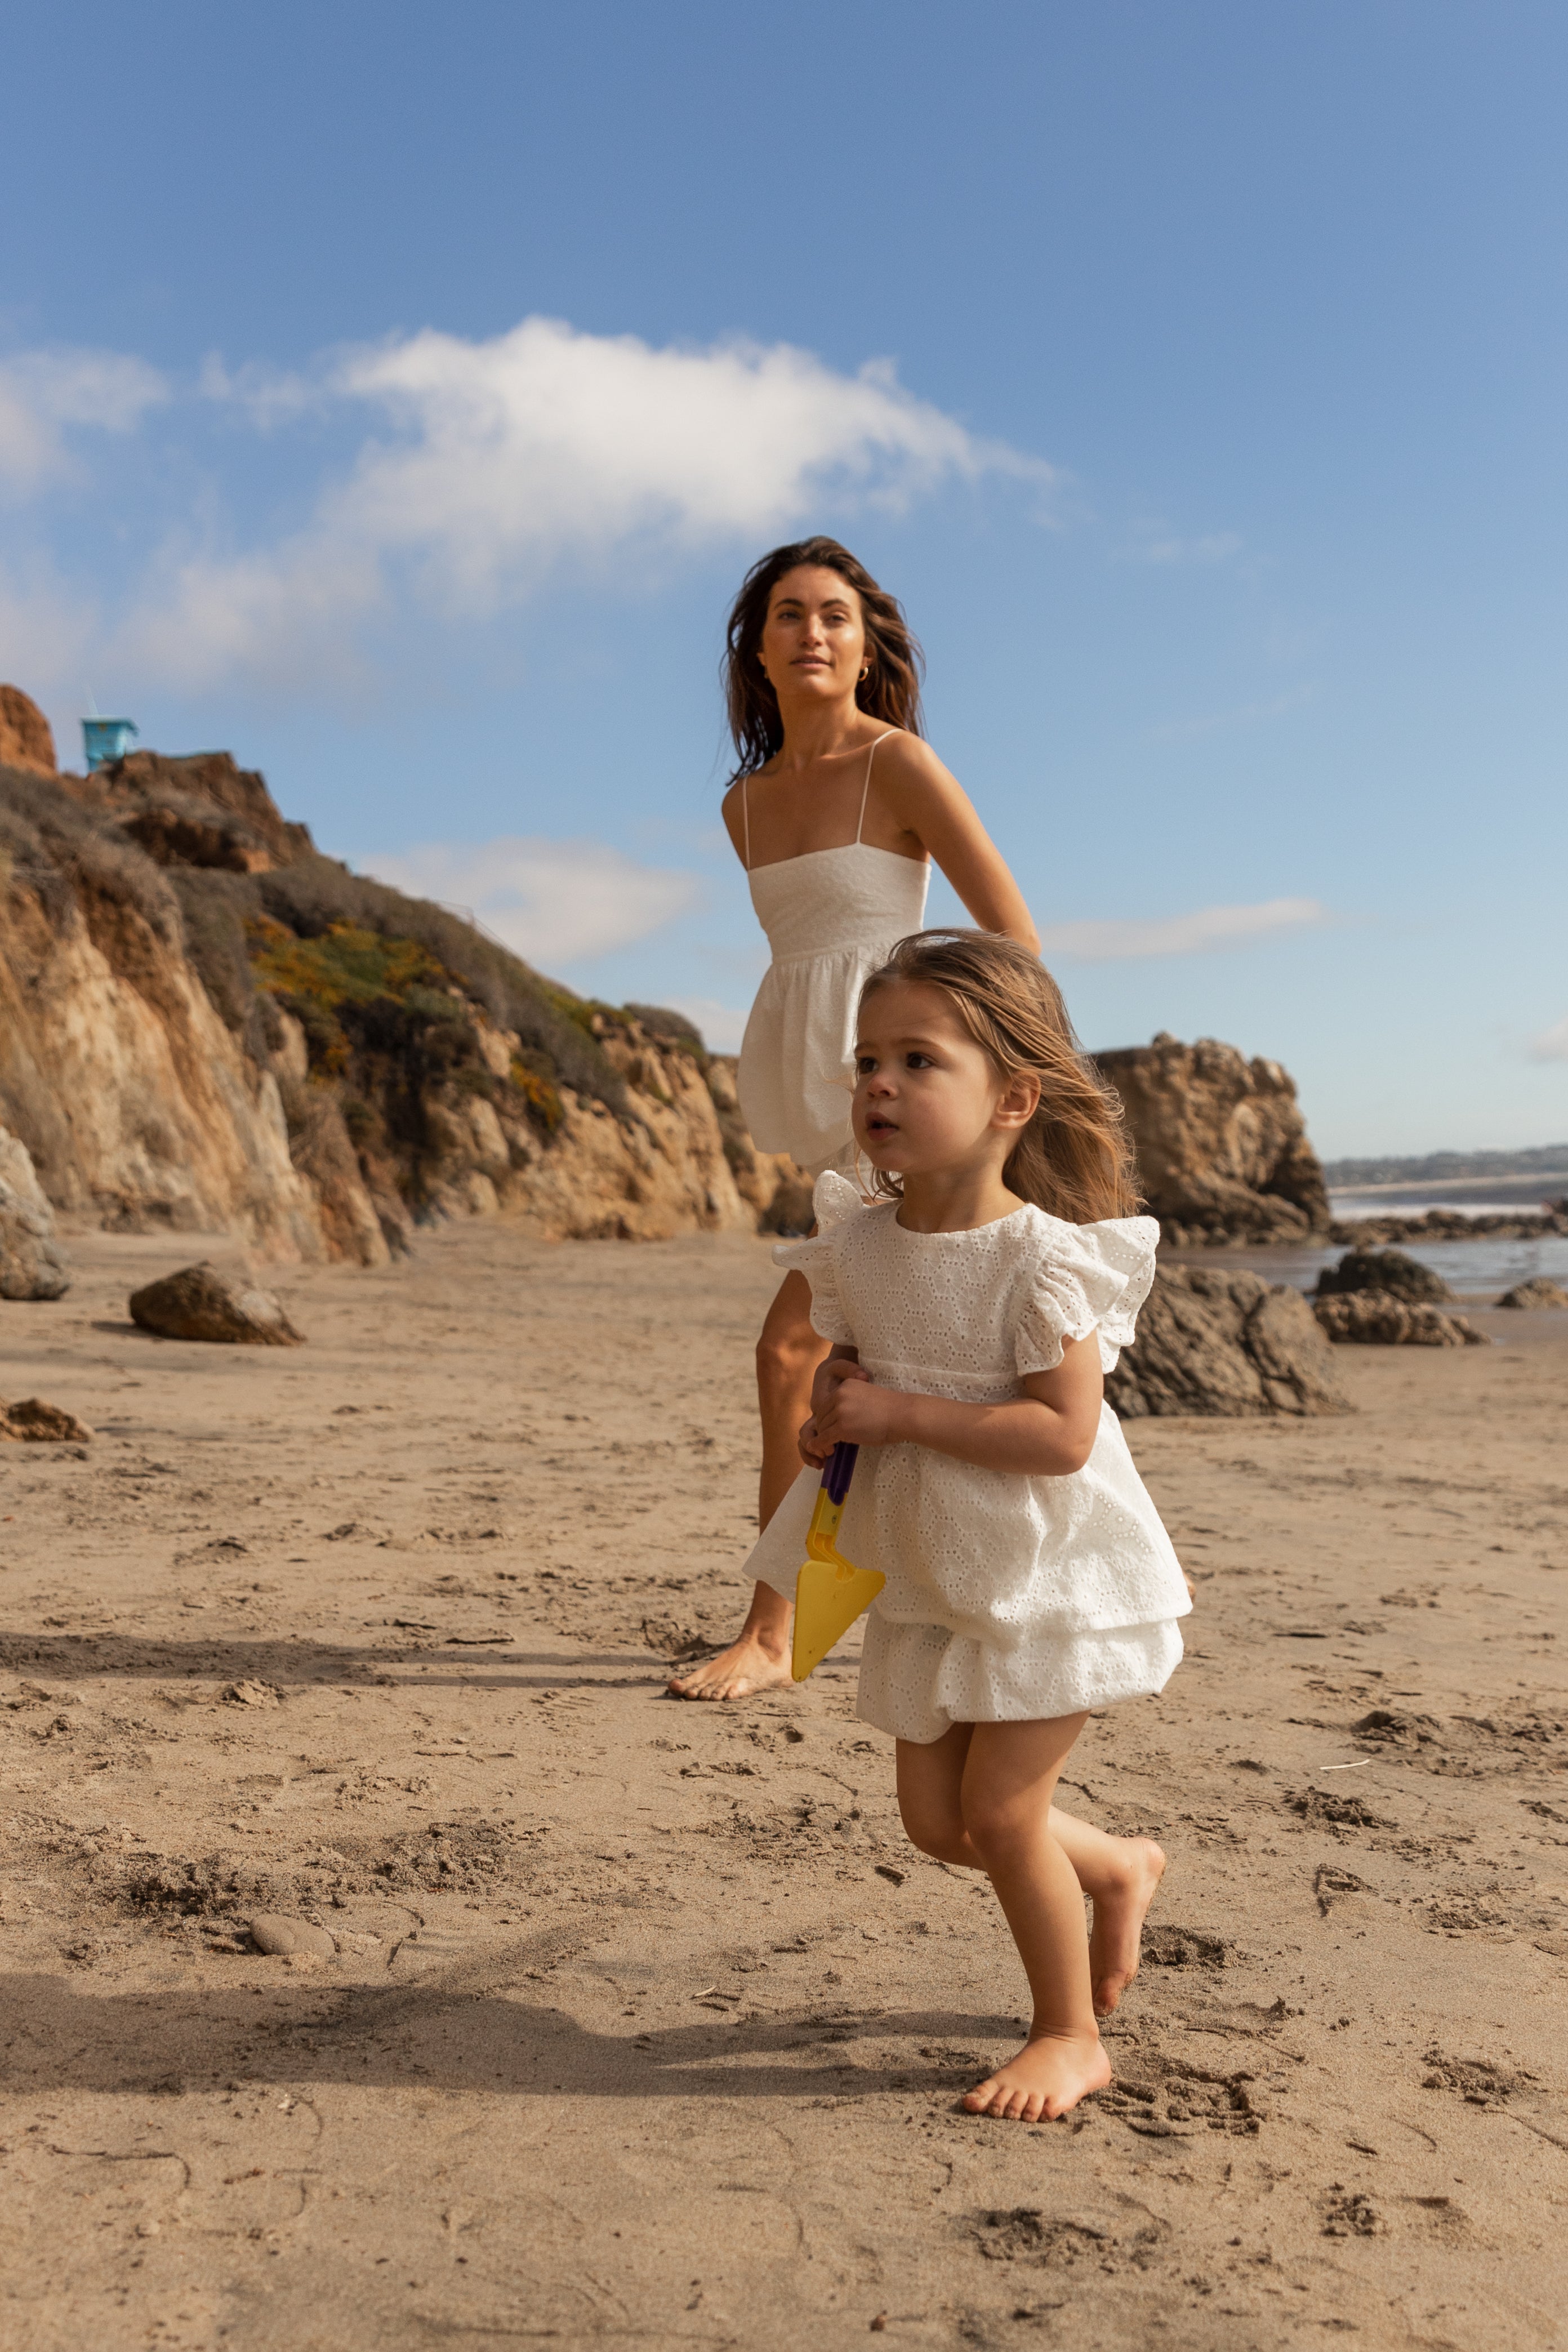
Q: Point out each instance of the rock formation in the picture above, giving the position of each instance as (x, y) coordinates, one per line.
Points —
(203, 811)
(27, 739)
(1225, 1345)
(1221, 1145)
(201, 1303)
(1387, 1270)
(1377, 1318)
(1537, 1293)
(1451, 1226)
(204, 1025)
(34, 1422)
(32, 1263)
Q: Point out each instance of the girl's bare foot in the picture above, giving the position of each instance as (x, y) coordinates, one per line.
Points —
(748, 1664)
(1050, 2075)
(1119, 1914)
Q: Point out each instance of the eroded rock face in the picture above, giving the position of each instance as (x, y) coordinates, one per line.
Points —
(187, 1040)
(1377, 1318)
(134, 1099)
(1221, 1144)
(203, 810)
(201, 1303)
(1225, 1346)
(27, 739)
(32, 1263)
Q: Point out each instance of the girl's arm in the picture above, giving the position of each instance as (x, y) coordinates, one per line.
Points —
(932, 806)
(1048, 1432)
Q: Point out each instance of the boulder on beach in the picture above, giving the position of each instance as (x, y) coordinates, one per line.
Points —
(1390, 1271)
(34, 1422)
(1220, 1143)
(1225, 1345)
(32, 1263)
(1540, 1292)
(200, 1303)
(1377, 1318)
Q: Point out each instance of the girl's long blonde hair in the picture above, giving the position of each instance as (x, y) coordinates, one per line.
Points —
(1073, 1159)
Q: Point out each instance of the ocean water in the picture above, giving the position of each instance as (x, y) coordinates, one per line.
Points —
(1478, 1269)
(1468, 1196)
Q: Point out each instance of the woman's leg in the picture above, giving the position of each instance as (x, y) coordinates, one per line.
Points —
(1118, 1874)
(788, 1353)
(1009, 1779)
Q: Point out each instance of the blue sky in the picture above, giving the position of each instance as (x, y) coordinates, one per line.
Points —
(395, 394)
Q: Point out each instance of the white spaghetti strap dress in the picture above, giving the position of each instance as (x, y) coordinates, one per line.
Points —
(1008, 1598)
(831, 917)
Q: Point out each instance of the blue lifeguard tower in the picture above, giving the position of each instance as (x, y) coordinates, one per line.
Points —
(103, 740)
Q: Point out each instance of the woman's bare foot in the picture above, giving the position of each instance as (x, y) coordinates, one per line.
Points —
(1050, 2075)
(1119, 1915)
(750, 1664)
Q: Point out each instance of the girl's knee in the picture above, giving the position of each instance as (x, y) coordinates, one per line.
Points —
(997, 1825)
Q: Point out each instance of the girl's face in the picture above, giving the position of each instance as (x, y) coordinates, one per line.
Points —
(927, 1099)
(813, 639)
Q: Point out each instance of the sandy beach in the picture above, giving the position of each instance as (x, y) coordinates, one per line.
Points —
(642, 2022)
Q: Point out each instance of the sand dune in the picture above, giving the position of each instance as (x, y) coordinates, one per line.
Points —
(644, 2024)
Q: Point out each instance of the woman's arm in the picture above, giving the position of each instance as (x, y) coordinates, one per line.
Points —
(1048, 1432)
(931, 803)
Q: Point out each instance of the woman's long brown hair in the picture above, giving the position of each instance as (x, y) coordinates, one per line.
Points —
(891, 691)
(1073, 1159)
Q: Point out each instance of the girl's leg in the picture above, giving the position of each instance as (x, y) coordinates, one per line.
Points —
(1118, 1874)
(1009, 1779)
(788, 1353)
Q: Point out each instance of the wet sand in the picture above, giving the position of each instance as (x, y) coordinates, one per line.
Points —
(643, 2022)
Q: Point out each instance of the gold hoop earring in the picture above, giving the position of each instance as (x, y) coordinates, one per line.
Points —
(865, 673)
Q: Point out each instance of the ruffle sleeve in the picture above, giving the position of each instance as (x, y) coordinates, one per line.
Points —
(834, 1201)
(1087, 1279)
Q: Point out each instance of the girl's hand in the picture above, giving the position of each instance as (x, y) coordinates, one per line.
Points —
(813, 1451)
(851, 1409)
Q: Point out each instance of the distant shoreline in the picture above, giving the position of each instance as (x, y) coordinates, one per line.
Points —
(1373, 1172)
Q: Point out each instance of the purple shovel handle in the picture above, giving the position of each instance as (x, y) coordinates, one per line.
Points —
(839, 1470)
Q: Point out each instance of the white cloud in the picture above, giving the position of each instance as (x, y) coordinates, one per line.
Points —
(43, 393)
(474, 467)
(549, 901)
(1552, 1046)
(1193, 934)
(493, 461)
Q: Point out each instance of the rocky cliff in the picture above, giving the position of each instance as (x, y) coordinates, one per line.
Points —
(204, 1023)
(1221, 1144)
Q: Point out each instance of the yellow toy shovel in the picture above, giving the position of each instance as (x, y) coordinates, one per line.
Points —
(830, 1591)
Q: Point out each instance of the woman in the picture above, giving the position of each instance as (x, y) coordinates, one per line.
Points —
(836, 809)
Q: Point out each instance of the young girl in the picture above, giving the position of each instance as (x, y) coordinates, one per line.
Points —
(974, 1308)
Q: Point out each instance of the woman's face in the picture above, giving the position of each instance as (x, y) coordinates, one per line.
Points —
(813, 639)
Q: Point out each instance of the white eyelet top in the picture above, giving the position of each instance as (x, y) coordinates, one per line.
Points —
(1007, 1597)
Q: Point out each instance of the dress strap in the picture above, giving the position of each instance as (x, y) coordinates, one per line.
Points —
(746, 820)
(867, 787)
